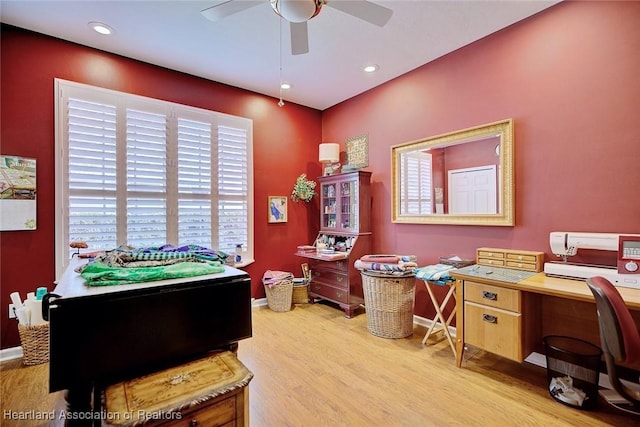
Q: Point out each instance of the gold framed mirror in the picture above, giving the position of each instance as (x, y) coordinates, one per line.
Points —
(460, 178)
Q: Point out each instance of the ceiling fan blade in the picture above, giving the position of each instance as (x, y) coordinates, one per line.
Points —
(225, 8)
(363, 9)
(299, 38)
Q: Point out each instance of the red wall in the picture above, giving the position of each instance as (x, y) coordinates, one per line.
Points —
(30, 62)
(570, 79)
(567, 76)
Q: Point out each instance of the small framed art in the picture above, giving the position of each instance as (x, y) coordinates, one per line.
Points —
(277, 209)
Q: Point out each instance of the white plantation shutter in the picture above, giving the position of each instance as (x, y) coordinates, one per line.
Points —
(92, 172)
(416, 187)
(232, 186)
(143, 172)
(146, 160)
(194, 182)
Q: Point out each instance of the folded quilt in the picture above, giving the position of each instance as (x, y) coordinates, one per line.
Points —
(389, 258)
(101, 274)
(272, 278)
(401, 266)
(435, 273)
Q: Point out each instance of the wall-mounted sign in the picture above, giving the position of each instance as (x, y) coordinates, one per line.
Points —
(17, 193)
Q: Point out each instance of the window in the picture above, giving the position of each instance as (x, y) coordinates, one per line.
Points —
(143, 172)
(415, 188)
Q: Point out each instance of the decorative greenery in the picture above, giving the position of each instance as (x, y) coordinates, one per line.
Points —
(303, 190)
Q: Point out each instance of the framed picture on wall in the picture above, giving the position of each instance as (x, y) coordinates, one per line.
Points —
(17, 193)
(277, 209)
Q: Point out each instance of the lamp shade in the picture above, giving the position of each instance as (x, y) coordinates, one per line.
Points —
(329, 152)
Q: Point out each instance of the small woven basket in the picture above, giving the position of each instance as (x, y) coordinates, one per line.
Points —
(300, 294)
(35, 343)
(389, 304)
(279, 296)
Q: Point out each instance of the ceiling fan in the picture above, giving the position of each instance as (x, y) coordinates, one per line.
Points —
(298, 12)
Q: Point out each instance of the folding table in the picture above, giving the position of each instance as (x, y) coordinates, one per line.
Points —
(440, 312)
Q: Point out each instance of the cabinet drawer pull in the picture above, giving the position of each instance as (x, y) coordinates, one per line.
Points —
(339, 279)
(489, 318)
(339, 294)
(490, 295)
(316, 288)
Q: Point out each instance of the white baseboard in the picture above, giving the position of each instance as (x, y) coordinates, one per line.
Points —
(423, 321)
(10, 353)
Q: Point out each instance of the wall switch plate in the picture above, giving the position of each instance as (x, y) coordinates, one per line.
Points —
(12, 313)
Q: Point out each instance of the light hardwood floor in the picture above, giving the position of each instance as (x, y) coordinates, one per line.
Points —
(314, 367)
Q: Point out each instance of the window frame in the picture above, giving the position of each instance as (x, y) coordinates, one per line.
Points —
(64, 89)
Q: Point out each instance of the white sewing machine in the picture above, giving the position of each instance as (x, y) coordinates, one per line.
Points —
(565, 244)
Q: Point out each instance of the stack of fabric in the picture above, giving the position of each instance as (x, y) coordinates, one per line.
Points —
(388, 264)
(437, 273)
(271, 278)
(126, 265)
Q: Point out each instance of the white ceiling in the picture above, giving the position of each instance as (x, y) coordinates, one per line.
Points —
(242, 50)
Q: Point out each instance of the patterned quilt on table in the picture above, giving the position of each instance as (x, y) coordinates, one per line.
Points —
(126, 265)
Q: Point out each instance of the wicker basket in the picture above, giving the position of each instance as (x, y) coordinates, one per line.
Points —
(389, 304)
(35, 343)
(300, 293)
(279, 295)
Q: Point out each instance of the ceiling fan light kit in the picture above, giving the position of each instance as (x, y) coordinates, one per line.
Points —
(297, 10)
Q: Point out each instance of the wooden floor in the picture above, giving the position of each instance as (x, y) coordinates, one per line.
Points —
(314, 367)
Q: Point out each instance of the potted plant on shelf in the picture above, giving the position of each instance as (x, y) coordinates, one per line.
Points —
(303, 190)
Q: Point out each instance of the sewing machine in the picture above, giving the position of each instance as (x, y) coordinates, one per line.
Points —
(566, 244)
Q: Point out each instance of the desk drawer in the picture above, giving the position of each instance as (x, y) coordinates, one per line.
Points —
(330, 277)
(217, 414)
(494, 330)
(329, 292)
(488, 253)
(519, 265)
(492, 296)
(340, 264)
(491, 261)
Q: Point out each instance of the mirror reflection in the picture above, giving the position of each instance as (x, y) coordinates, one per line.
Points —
(463, 177)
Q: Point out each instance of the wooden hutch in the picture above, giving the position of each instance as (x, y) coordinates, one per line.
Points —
(344, 237)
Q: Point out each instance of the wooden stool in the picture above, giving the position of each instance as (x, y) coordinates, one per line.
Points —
(440, 308)
(206, 392)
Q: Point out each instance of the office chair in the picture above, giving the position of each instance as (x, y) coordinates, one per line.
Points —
(620, 341)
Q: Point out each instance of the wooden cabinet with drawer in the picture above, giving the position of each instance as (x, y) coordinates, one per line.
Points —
(509, 258)
(496, 318)
(493, 319)
(345, 236)
(208, 392)
(337, 280)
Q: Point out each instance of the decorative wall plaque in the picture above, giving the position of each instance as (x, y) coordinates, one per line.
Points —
(358, 151)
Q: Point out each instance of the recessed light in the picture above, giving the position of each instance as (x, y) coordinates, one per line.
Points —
(100, 28)
(371, 68)
(285, 86)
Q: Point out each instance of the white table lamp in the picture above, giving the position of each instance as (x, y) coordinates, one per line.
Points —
(329, 155)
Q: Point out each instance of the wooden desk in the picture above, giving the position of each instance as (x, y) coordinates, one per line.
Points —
(537, 306)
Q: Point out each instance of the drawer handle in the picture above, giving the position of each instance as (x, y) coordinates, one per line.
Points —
(339, 279)
(339, 294)
(489, 318)
(490, 295)
(339, 264)
(316, 288)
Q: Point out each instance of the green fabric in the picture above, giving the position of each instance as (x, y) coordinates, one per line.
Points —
(100, 274)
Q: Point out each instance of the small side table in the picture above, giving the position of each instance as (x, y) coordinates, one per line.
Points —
(209, 391)
(440, 312)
